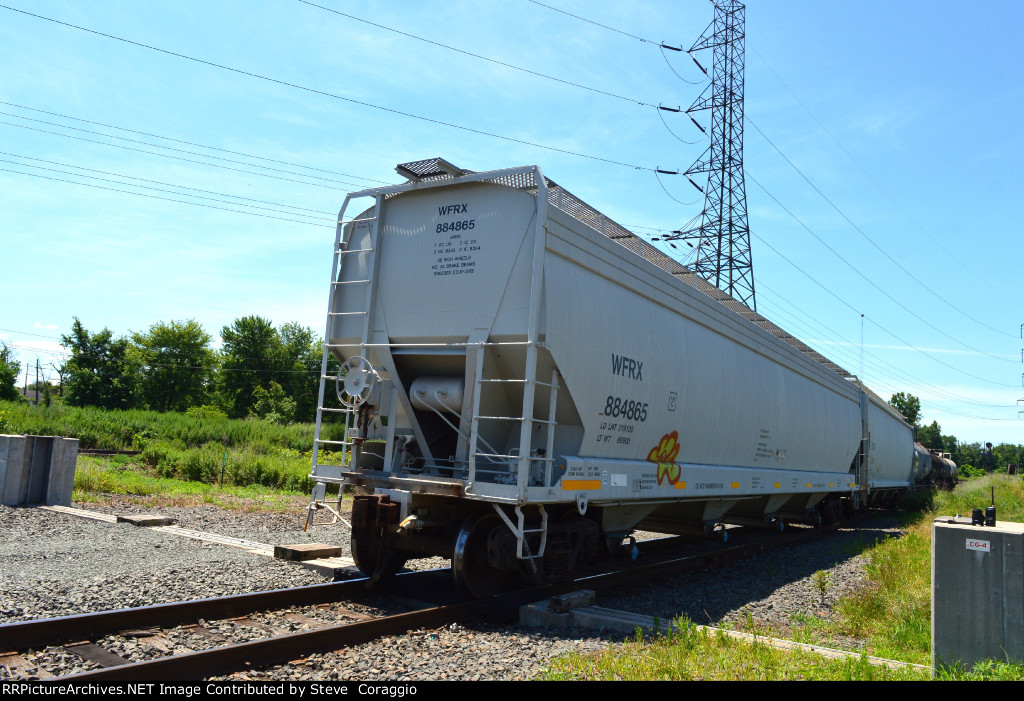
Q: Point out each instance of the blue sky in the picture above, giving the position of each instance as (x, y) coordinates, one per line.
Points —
(905, 116)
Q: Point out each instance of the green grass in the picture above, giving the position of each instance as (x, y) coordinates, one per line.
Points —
(698, 654)
(892, 612)
(692, 654)
(99, 479)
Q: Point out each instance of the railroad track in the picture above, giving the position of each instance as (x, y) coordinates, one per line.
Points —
(80, 634)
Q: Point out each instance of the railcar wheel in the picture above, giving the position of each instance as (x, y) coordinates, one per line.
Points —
(473, 574)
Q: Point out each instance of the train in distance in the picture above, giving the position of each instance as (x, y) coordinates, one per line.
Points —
(524, 382)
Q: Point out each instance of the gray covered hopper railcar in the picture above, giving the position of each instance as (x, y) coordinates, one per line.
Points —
(525, 381)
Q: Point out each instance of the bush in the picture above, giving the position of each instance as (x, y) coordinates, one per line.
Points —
(200, 466)
(966, 471)
(206, 411)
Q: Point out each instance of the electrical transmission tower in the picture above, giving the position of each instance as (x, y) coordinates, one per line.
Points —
(723, 237)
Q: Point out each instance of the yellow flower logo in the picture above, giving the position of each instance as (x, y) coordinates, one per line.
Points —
(665, 454)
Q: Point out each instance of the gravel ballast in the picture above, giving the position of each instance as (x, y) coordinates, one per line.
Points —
(55, 564)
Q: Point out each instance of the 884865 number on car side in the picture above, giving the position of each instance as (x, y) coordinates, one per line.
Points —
(628, 409)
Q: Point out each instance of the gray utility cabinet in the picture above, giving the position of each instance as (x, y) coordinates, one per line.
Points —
(37, 470)
(977, 592)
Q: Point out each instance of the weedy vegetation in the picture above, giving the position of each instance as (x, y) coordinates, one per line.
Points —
(197, 452)
(891, 612)
(690, 653)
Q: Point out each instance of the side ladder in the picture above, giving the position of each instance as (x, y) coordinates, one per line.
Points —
(523, 457)
(322, 474)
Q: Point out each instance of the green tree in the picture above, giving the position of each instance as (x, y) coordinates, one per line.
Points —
(9, 369)
(950, 444)
(178, 365)
(272, 404)
(1005, 454)
(303, 351)
(968, 454)
(908, 405)
(930, 436)
(102, 370)
(251, 358)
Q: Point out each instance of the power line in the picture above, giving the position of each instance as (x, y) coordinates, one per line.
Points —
(678, 138)
(660, 44)
(158, 189)
(331, 95)
(178, 150)
(868, 238)
(847, 304)
(687, 204)
(27, 333)
(669, 64)
(877, 362)
(590, 21)
(167, 199)
(958, 259)
(482, 58)
(192, 143)
(866, 278)
(167, 155)
(158, 182)
(176, 366)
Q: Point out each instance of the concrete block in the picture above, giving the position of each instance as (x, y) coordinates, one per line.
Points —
(545, 614)
(13, 470)
(600, 618)
(540, 615)
(977, 592)
(37, 469)
(306, 551)
(63, 460)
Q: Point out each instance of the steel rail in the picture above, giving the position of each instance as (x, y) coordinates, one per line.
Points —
(89, 626)
(279, 649)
